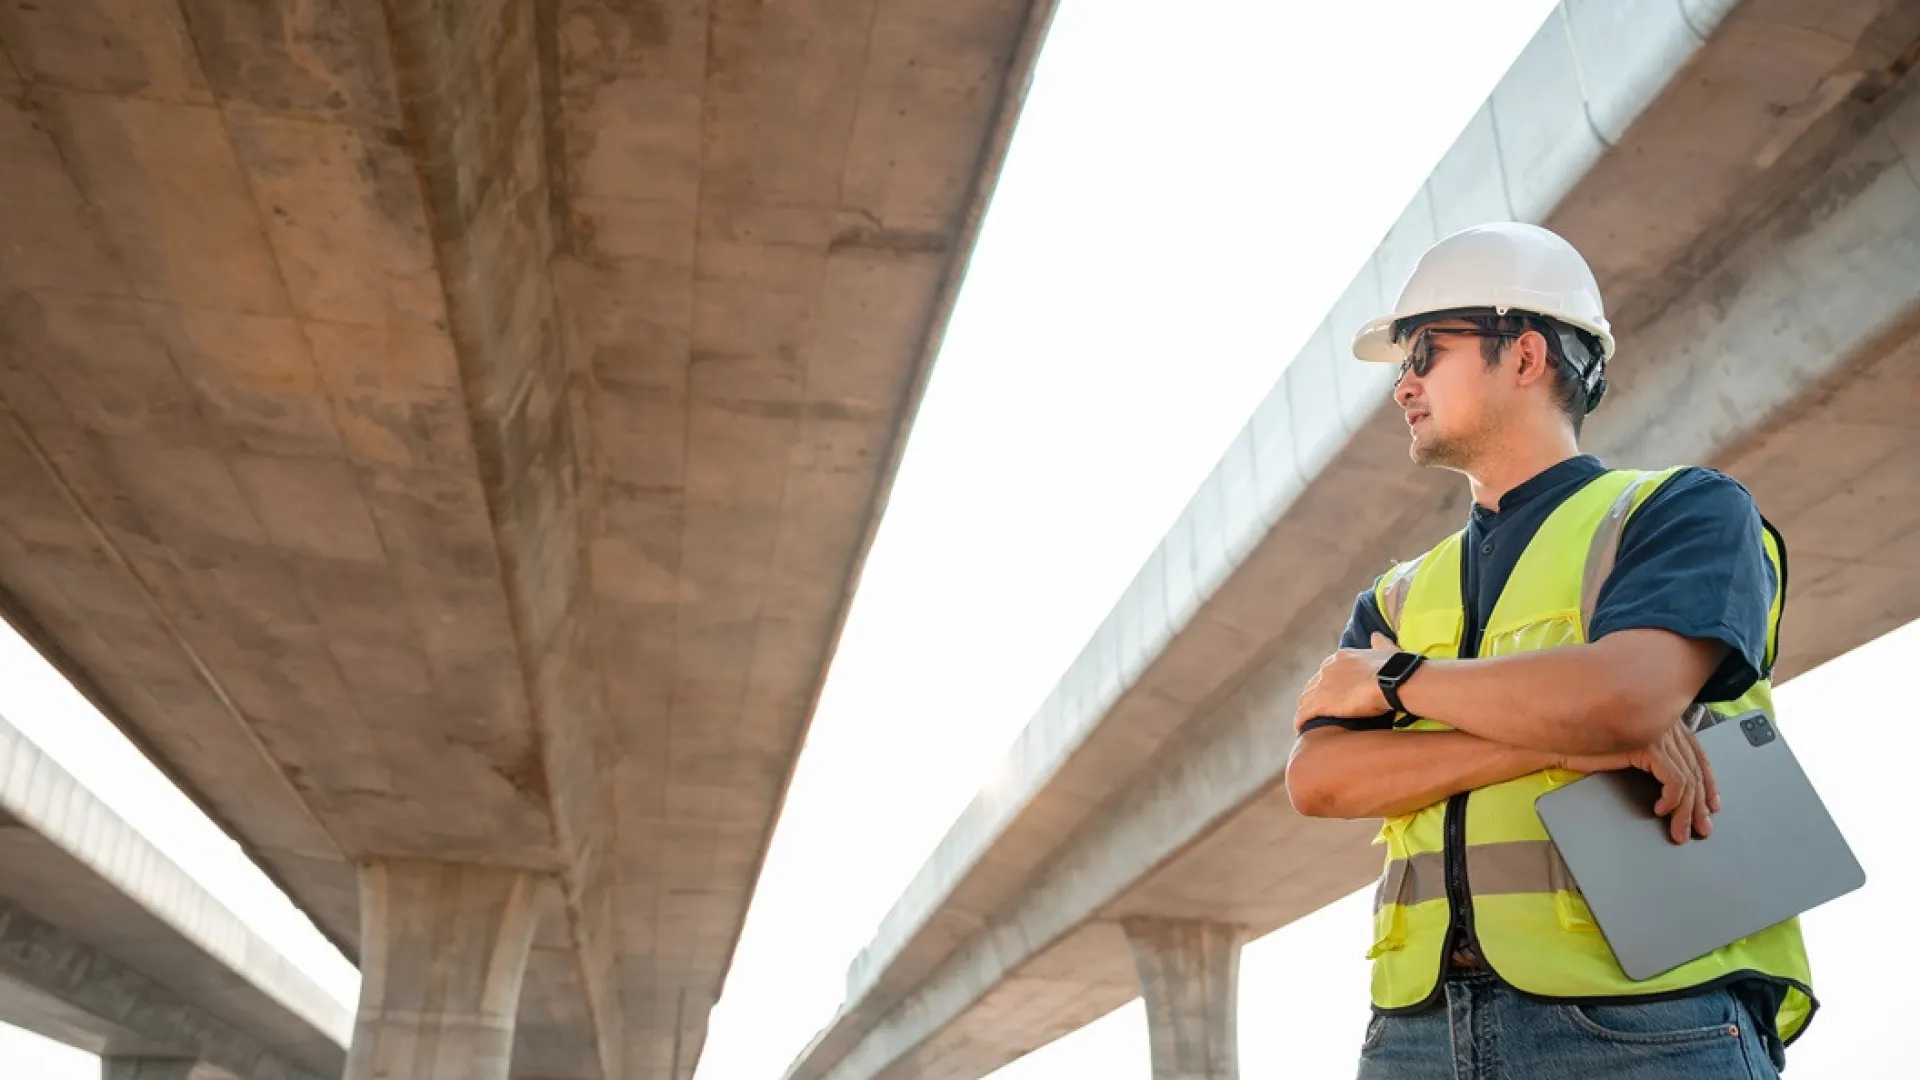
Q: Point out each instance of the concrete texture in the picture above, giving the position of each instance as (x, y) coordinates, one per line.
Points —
(1752, 214)
(445, 950)
(136, 1068)
(107, 945)
(454, 431)
(1190, 980)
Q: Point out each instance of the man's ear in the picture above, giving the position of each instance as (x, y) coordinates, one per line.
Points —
(1532, 360)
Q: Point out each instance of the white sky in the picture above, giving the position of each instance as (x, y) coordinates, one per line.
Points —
(1185, 199)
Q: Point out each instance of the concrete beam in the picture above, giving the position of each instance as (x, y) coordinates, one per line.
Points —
(1190, 979)
(445, 952)
(146, 1068)
(120, 951)
(1723, 230)
(472, 79)
(111, 997)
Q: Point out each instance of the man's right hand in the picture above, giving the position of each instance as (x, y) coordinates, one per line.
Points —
(1688, 793)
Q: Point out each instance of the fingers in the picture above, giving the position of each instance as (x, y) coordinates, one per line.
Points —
(1382, 641)
(1679, 787)
(1704, 793)
(1687, 817)
(1686, 820)
(1686, 792)
(1712, 786)
(1691, 806)
(1702, 822)
(1673, 783)
(1672, 790)
(1307, 707)
(1680, 825)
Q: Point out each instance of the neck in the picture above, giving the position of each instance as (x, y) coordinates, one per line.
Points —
(1500, 473)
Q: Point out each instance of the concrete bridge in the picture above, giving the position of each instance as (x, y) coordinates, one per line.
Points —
(107, 945)
(446, 438)
(1745, 180)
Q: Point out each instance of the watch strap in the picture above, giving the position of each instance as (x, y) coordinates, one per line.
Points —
(1390, 685)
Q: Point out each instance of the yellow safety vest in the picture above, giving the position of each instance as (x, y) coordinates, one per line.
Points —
(1532, 925)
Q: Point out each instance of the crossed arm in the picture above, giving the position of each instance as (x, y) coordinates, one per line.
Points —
(1337, 773)
(1613, 703)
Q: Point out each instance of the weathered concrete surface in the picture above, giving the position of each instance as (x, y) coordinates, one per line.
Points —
(145, 1068)
(1749, 204)
(106, 945)
(1190, 980)
(445, 949)
(449, 430)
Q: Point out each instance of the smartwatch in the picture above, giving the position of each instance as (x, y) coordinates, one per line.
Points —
(1395, 673)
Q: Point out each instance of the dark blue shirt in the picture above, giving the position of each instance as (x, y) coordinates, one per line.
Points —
(1691, 561)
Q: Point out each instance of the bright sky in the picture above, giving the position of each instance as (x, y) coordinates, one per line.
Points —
(1185, 199)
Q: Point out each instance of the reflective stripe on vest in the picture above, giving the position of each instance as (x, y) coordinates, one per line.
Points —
(1532, 924)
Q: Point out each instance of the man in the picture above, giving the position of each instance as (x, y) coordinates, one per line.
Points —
(1585, 619)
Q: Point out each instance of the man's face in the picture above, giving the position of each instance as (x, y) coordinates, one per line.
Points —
(1448, 393)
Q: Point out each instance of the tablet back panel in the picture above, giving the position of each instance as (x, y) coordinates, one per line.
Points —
(1775, 851)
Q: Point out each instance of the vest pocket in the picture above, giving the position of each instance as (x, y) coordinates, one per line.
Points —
(1389, 928)
(1568, 904)
(1394, 891)
(1549, 632)
(1433, 632)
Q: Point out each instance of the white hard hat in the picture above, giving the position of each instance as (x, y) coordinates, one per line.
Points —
(1509, 266)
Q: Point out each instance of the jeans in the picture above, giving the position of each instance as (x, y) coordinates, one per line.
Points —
(1487, 1031)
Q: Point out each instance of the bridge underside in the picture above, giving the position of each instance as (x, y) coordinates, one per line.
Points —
(449, 433)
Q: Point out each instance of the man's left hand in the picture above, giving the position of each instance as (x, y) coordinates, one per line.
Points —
(1346, 684)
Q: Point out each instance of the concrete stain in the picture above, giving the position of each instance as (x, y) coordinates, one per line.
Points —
(526, 774)
(553, 151)
(323, 59)
(114, 61)
(1809, 183)
(420, 427)
(389, 177)
(1819, 202)
(612, 38)
(831, 411)
(887, 241)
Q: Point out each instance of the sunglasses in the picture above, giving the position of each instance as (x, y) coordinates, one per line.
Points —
(1419, 359)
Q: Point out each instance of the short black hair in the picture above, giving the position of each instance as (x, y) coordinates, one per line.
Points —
(1568, 390)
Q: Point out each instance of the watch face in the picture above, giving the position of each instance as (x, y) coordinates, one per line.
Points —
(1397, 666)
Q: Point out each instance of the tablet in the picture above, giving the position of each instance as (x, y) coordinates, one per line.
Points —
(1775, 851)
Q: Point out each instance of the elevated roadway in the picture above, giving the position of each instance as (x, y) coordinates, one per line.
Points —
(1743, 179)
(107, 945)
(446, 438)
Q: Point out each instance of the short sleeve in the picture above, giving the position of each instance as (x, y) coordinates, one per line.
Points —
(1693, 561)
(1361, 626)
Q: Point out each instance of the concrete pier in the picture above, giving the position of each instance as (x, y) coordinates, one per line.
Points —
(1190, 978)
(446, 950)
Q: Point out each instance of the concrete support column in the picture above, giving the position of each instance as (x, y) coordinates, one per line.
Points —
(141, 1068)
(1190, 978)
(443, 949)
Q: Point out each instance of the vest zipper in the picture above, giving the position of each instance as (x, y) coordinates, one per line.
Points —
(1453, 832)
(1454, 840)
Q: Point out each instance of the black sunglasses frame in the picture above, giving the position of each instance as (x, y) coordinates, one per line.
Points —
(1419, 358)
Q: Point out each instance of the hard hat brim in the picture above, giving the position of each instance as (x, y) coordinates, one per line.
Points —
(1374, 343)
